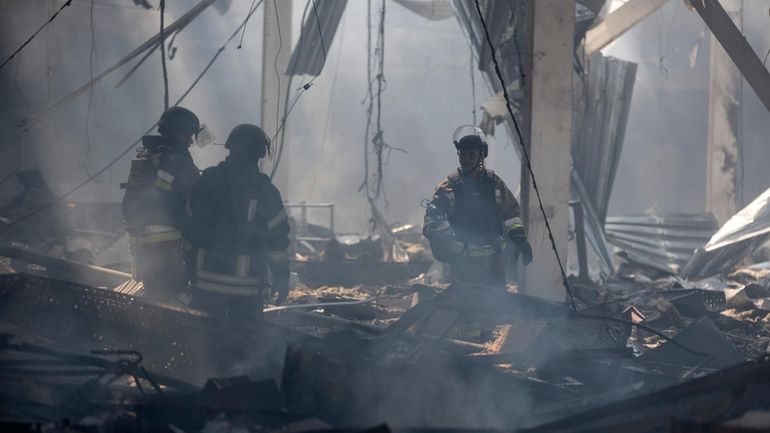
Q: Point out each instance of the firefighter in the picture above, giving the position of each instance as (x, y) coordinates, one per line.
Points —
(239, 231)
(155, 204)
(473, 221)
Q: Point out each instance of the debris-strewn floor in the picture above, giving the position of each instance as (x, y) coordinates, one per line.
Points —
(365, 340)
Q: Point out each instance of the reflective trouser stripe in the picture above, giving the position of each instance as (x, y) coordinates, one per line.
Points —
(240, 285)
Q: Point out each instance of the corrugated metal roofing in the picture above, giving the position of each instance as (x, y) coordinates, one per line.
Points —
(665, 242)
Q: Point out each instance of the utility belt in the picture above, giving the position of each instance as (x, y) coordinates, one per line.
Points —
(156, 233)
(242, 283)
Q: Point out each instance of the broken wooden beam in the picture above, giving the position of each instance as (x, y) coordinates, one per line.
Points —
(619, 22)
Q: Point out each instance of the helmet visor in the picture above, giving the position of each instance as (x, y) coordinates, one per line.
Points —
(468, 130)
(204, 137)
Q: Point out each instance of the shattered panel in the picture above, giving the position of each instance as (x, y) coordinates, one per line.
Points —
(183, 344)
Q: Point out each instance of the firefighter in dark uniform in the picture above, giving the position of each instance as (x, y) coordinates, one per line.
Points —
(240, 232)
(473, 221)
(155, 205)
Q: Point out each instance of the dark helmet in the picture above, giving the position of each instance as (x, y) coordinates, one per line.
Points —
(471, 137)
(179, 121)
(249, 139)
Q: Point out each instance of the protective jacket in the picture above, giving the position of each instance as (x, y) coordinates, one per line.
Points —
(155, 207)
(467, 222)
(240, 230)
(159, 186)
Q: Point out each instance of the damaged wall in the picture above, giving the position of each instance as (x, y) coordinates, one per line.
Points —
(663, 164)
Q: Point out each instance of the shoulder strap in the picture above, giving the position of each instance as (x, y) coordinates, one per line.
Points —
(490, 176)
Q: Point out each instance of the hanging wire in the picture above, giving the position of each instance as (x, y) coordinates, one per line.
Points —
(320, 35)
(243, 33)
(150, 46)
(163, 52)
(50, 20)
(329, 109)
(663, 53)
(369, 97)
(301, 91)
(471, 63)
(275, 61)
(84, 162)
(125, 152)
(527, 161)
(378, 141)
(373, 185)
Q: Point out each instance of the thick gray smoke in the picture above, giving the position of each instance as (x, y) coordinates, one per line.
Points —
(428, 94)
(663, 164)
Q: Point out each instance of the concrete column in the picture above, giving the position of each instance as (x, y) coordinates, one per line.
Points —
(725, 126)
(276, 42)
(548, 125)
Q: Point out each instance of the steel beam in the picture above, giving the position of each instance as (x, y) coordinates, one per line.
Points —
(737, 47)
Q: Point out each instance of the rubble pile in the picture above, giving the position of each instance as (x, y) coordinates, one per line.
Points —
(646, 347)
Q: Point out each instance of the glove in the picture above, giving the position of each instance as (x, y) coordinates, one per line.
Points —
(439, 233)
(524, 248)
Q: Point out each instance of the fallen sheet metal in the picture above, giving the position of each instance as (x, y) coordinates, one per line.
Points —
(602, 101)
(664, 242)
(185, 344)
(697, 303)
(738, 237)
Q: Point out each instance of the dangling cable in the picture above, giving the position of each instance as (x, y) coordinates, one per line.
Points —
(369, 97)
(378, 140)
(525, 153)
(163, 52)
(84, 162)
(243, 33)
(50, 20)
(327, 122)
(287, 109)
(471, 63)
